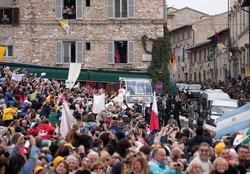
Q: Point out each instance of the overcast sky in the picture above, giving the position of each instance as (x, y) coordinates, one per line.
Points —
(207, 6)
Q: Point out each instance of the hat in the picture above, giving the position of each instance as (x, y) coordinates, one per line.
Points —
(69, 145)
(219, 147)
(57, 160)
(37, 169)
(23, 151)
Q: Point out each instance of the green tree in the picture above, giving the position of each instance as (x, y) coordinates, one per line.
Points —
(158, 68)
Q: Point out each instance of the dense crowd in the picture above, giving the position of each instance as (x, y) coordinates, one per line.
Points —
(115, 141)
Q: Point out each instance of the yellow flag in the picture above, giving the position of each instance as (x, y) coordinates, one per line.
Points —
(2, 51)
(65, 25)
(248, 71)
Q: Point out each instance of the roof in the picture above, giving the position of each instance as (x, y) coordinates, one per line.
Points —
(200, 44)
(190, 9)
(181, 27)
(226, 30)
(245, 3)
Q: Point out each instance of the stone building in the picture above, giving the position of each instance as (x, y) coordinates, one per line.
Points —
(191, 35)
(239, 38)
(204, 67)
(98, 28)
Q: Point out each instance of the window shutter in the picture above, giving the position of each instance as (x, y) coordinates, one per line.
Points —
(111, 53)
(59, 8)
(59, 52)
(111, 9)
(131, 8)
(131, 52)
(15, 16)
(79, 9)
(79, 52)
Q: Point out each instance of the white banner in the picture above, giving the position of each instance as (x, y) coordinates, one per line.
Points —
(74, 72)
(99, 103)
(17, 77)
(67, 119)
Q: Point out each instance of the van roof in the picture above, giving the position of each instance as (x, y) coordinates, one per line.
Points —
(212, 95)
(225, 102)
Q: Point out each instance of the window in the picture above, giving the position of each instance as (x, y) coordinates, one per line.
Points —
(88, 46)
(9, 16)
(69, 9)
(8, 52)
(120, 9)
(183, 36)
(188, 34)
(87, 3)
(69, 52)
(120, 52)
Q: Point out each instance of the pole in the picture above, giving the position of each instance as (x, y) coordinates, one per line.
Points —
(165, 12)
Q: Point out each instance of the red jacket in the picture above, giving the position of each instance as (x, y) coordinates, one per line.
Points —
(43, 130)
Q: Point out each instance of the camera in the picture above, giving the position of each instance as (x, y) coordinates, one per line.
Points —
(26, 138)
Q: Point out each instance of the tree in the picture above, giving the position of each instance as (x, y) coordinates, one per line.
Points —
(158, 68)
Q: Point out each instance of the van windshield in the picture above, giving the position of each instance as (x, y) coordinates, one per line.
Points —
(219, 110)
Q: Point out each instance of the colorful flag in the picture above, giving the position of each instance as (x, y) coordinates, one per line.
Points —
(154, 120)
(67, 119)
(2, 51)
(211, 54)
(65, 25)
(222, 48)
(233, 121)
(216, 39)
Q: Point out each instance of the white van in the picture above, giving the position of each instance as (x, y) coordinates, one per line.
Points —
(222, 106)
(209, 95)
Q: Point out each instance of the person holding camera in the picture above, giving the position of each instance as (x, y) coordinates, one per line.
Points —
(18, 161)
(159, 165)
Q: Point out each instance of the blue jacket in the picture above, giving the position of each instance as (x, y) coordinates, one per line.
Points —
(31, 163)
(158, 168)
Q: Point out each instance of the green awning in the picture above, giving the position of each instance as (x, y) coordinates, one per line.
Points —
(85, 75)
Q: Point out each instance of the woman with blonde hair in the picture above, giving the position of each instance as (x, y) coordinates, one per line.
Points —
(106, 160)
(140, 166)
(195, 167)
(220, 166)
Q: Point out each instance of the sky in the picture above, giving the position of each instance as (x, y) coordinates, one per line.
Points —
(207, 6)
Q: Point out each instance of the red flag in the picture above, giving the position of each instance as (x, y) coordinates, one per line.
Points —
(154, 120)
(217, 36)
(182, 66)
(171, 56)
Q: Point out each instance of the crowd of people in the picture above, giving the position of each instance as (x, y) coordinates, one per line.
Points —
(115, 141)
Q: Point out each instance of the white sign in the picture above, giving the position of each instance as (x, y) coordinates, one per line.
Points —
(146, 57)
(99, 103)
(17, 77)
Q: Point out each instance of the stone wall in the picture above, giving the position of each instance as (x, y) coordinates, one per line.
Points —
(34, 40)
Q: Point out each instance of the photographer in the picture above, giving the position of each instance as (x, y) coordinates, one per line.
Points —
(19, 162)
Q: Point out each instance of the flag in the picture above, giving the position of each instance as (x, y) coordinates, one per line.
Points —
(154, 120)
(211, 54)
(239, 139)
(222, 48)
(67, 119)
(65, 25)
(215, 39)
(233, 121)
(2, 51)
(171, 56)
(74, 72)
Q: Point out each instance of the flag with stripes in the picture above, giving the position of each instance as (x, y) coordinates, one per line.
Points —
(236, 120)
